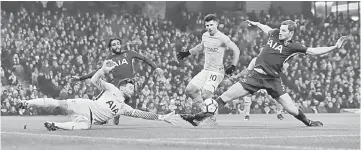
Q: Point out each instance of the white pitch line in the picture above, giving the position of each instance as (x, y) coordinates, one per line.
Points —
(165, 141)
(262, 137)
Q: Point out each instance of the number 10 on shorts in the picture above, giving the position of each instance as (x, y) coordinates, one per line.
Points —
(213, 77)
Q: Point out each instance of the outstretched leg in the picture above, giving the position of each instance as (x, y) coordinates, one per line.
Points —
(286, 101)
(235, 91)
(42, 102)
(80, 120)
(52, 126)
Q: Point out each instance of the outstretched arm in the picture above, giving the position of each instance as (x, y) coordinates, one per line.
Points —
(194, 50)
(324, 50)
(264, 28)
(145, 59)
(129, 111)
(96, 79)
(158, 70)
(89, 75)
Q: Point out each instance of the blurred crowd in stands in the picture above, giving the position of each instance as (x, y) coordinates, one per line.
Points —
(40, 51)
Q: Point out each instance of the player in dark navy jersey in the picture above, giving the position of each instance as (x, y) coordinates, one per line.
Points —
(266, 74)
(123, 73)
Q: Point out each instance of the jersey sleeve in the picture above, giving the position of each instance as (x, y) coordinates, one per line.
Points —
(226, 40)
(273, 33)
(143, 58)
(298, 48)
(202, 38)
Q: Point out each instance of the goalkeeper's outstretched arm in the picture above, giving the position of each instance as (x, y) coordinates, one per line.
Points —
(129, 111)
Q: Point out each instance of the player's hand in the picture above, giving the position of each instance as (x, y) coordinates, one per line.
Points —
(251, 23)
(75, 78)
(231, 69)
(182, 55)
(108, 65)
(340, 41)
(170, 118)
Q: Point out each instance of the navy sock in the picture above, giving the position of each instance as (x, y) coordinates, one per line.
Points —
(220, 102)
(301, 116)
(200, 116)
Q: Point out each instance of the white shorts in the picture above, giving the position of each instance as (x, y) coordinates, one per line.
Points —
(208, 80)
(79, 109)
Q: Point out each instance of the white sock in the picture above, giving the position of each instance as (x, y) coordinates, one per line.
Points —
(43, 102)
(247, 108)
(279, 108)
(72, 125)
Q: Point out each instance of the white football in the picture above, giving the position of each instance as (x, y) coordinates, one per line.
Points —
(210, 106)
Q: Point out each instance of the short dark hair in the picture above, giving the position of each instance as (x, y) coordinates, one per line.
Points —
(292, 26)
(210, 17)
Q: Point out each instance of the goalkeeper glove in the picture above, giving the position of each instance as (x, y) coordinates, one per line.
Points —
(182, 55)
(231, 69)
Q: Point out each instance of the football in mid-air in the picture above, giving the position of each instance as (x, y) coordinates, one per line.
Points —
(210, 106)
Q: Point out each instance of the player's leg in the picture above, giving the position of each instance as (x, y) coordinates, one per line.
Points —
(235, 91)
(213, 79)
(247, 106)
(70, 105)
(80, 113)
(287, 103)
(82, 123)
(194, 86)
(279, 111)
(206, 93)
(277, 90)
(42, 102)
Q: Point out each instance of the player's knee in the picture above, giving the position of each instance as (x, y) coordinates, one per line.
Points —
(191, 89)
(206, 94)
(288, 105)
